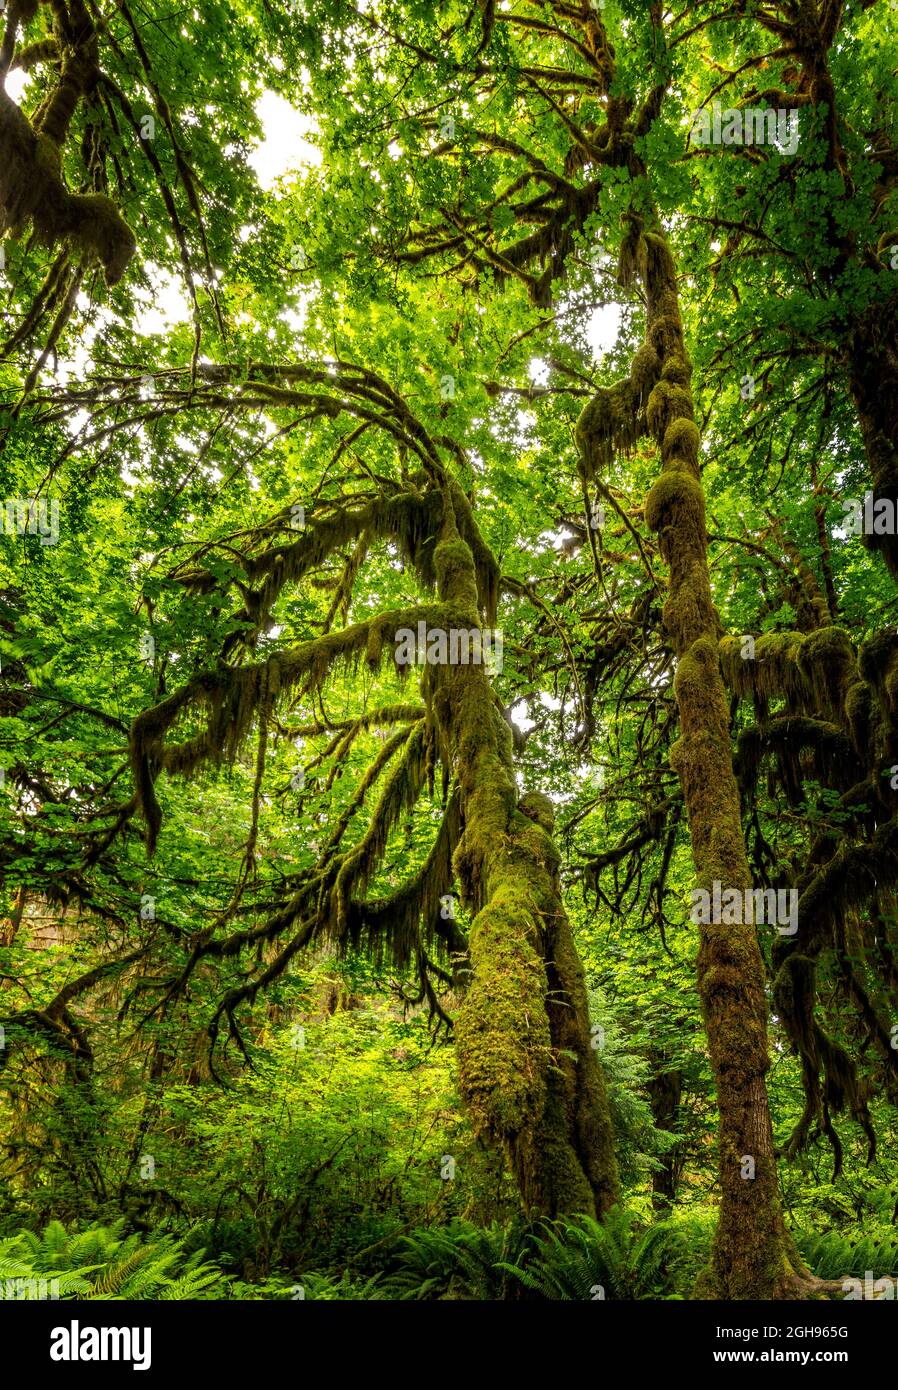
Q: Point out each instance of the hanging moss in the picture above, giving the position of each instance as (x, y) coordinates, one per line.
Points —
(829, 1076)
(826, 659)
(878, 662)
(803, 749)
(859, 715)
(406, 518)
(609, 424)
(632, 259)
(232, 696)
(772, 670)
(394, 929)
(399, 796)
(32, 192)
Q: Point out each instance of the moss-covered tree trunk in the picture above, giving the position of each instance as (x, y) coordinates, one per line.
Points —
(665, 1093)
(527, 1071)
(752, 1256)
(874, 386)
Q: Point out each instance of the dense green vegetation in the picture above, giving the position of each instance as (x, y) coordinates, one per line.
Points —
(327, 973)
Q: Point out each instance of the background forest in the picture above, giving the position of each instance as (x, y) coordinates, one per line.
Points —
(329, 976)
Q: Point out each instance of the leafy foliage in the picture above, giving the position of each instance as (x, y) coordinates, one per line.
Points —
(102, 1263)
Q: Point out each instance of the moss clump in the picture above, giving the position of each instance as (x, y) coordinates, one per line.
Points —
(677, 369)
(660, 266)
(539, 808)
(689, 612)
(675, 495)
(666, 335)
(681, 444)
(633, 259)
(877, 656)
(374, 648)
(455, 573)
(98, 229)
(666, 404)
(859, 714)
(645, 370)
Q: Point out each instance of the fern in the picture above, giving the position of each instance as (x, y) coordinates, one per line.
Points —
(455, 1261)
(322, 1287)
(852, 1254)
(102, 1263)
(585, 1259)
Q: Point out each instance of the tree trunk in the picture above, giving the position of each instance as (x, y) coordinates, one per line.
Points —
(527, 1072)
(874, 387)
(752, 1254)
(665, 1090)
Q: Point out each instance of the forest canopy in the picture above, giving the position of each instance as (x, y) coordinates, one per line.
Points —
(449, 649)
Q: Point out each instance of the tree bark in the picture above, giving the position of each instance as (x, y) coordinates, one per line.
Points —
(874, 388)
(665, 1090)
(753, 1257)
(527, 1072)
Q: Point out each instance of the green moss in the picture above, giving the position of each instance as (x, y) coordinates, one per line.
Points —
(502, 1032)
(876, 656)
(677, 369)
(562, 1188)
(645, 370)
(773, 670)
(827, 662)
(539, 808)
(660, 265)
(667, 403)
(673, 497)
(32, 191)
(456, 574)
(633, 258)
(666, 334)
(609, 424)
(524, 1017)
(859, 715)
